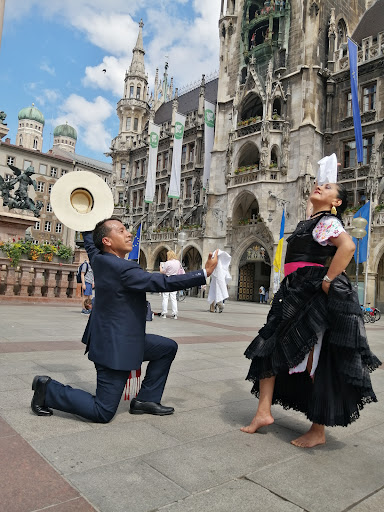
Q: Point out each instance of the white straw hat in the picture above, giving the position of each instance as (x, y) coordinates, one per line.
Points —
(80, 199)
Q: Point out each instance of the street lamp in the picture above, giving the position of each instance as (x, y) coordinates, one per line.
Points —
(358, 232)
(181, 240)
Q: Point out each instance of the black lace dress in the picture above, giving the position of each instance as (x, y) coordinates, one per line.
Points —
(300, 310)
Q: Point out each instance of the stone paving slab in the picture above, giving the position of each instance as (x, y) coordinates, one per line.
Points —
(212, 461)
(131, 485)
(243, 495)
(28, 482)
(324, 479)
(81, 451)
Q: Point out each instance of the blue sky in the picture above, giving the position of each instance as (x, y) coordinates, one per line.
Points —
(53, 53)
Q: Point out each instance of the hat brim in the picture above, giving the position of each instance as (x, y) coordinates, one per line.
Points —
(102, 204)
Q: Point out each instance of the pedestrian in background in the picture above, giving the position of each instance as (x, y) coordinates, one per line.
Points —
(171, 267)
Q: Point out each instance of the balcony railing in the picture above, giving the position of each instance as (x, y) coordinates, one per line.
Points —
(37, 279)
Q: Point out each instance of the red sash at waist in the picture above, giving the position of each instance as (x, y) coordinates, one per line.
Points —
(291, 267)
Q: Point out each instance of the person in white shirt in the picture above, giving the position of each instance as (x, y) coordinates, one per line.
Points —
(171, 267)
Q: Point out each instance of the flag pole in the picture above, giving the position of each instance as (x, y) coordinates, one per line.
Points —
(138, 252)
(368, 246)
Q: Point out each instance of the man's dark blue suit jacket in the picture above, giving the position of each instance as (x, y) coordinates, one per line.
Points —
(115, 332)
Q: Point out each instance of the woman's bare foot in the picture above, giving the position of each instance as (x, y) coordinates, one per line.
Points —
(314, 436)
(258, 422)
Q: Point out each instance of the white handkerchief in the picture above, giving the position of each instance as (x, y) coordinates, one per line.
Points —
(327, 172)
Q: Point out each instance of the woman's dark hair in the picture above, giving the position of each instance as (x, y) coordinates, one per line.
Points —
(343, 195)
(101, 230)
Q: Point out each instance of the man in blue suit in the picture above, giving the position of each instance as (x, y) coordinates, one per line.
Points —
(115, 334)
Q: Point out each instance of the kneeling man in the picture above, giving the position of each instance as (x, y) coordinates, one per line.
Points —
(115, 334)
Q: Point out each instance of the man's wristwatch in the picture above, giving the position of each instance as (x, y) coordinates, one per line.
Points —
(326, 279)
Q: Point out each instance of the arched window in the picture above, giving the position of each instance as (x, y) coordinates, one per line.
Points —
(252, 107)
(20, 140)
(274, 157)
(249, 156)
(341, 33)
(138, 92)
(276, 109)
(35, 144)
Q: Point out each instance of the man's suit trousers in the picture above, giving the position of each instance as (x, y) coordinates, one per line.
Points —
(158, 350)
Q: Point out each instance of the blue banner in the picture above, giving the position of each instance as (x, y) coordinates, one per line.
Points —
(363, 249)
(352, 50)
(134, 254)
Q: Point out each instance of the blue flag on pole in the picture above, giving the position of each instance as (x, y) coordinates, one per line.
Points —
(134, 254)
(363, 249)
(352, 50)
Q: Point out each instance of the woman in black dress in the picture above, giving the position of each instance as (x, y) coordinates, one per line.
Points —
(312, 354)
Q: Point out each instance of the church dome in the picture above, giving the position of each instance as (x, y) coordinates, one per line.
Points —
(31, 113)
(65, 130)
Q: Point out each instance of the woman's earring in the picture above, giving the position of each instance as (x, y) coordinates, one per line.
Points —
(333, 210)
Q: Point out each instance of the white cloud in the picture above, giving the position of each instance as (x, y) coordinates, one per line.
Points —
(110, 80)
(44, 66)
(50, 96)
(88, 118)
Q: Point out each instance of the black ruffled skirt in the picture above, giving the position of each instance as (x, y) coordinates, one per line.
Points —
(300, 310)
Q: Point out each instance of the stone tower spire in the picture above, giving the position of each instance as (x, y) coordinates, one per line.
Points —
(137, 66)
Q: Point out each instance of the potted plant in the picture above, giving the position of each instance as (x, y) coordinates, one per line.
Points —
(64, 252)
(48, 251)
(14, 251)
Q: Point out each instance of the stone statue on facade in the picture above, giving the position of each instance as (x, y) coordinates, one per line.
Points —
(3, 115)
(20, 199)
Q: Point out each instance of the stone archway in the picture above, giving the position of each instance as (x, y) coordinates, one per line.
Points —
(254, 271)
(192, 260)
(160, 258)
(142, 260)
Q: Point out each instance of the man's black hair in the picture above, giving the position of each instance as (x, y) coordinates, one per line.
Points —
(101, 230)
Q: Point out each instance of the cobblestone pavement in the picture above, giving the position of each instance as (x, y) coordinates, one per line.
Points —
(197, 459)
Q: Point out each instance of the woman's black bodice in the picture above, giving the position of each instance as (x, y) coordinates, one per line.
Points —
(302, 246)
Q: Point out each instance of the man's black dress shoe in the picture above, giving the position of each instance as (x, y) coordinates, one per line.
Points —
(39, 386)
(138, 407)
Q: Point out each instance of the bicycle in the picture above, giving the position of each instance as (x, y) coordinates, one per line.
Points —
(374, 313)
(180, 295)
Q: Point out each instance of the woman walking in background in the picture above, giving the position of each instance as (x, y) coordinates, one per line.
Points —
(171, 267)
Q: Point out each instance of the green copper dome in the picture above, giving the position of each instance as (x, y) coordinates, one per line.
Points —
(31, 113)
(64, 130)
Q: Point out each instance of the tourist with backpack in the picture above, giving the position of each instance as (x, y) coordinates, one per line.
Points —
(87, 284)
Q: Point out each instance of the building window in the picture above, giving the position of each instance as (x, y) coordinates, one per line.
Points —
(128, 123)
(369, 97)
(27, 164)
(53, 172)
(368, 143)
(59, 227)
(40, 186)
(10, 160)
(350, 153)
(47, 226)
(121, 198)
(43, 169)
(20, 140)
(50, 188)
(63, 172)
(131, 91)
(137, 168)
(191, 156)
(166, 160)
(49, 207)
(349, 104)
(37, 225)
(188, 188)
(162, 193)
(138, 91)
(136, 124)
(184, 154)
(158, 164)
(134, 199)
(34, 143)
(123, 169)
(141, 196)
